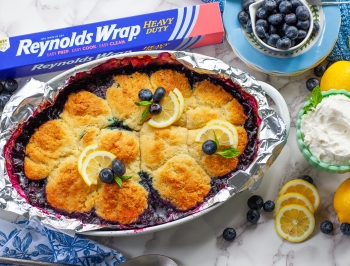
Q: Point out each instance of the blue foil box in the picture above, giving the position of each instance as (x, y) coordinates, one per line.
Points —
(55, 50)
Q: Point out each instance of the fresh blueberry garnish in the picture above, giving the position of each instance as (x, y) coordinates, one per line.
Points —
(1, 87)
(106, 175)
(269, 5)
(255, 202)
(118, 167)
(159, 94)
(326, 227)
(260, 31)
(302, 13)
(155, 109)
(292, 32)
(253, 216)
(311, 83)
(4, 98)
(272, 39)
(307, 178)
(319, 70)
(269, 206)
(262, 13)
(303, 24)
(285, 7)
(209, 147)
(275, 19)
(316, 27)
(145, 95)
(248, 26)
(284, 43)
(345, 228)
(10, 85)
(290, 18)
(243, 17)
(246, 4)
(229, 234)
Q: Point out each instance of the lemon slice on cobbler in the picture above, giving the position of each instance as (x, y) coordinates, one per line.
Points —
(181, 102)
(223, 134)
(169, 114)
(229, 126)
(86, 152)
(94, 163)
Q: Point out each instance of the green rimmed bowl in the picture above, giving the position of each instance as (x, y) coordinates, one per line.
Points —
(331, 168)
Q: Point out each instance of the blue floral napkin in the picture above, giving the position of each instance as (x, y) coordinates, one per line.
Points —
(32, 241)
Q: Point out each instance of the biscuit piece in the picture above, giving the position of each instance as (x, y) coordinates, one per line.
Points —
(51, 141)
(182, 182)
(122, 96)
(123, 205)
(159, 145)
(210, 102)
(84, 110)
(66, 189)
(215, 165)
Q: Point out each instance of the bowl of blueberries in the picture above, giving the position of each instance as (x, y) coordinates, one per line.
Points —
(280, 26)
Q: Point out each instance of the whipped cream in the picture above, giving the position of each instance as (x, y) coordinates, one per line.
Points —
(326, 130)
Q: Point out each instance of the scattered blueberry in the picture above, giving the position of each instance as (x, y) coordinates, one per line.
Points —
(106, 175)
(246, 4)
(248, 26)
(255, 202)
(10, 85)
(229, 234)
(295, 4)
(345, 228)
(4, 98)
(263, 23)
(311, 83)
(275, 19)
(155, 109)
(253, 216)
(290, 19)
(316, 27)
(269, 206)
(303, 24)
(243, 17)
(260, 31)
(326, 227)
(307, 178)
(145, 95)
(262, 13)
(159, 94)
(301, 35)
(319, 70)
(292, 32)
(209, 147)
(302, 12)
(269, 5)
(284, 43)
(272, 39)
(1, 87)
(118, 167)
(285, 7)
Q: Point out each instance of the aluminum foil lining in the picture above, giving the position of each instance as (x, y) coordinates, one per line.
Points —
(273, 135)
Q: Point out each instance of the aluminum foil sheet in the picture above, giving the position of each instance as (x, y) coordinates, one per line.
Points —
(29, 98)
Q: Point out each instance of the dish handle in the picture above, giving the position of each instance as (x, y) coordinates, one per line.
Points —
(279, 101)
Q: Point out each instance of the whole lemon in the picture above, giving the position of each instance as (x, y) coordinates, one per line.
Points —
(337, 76)
(341, 202)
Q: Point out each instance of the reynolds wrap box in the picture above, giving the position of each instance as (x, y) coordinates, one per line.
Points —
(176, 29)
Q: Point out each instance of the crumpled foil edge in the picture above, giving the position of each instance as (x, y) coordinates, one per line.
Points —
(272, 136)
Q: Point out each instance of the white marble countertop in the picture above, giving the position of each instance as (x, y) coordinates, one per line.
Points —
(200, 242)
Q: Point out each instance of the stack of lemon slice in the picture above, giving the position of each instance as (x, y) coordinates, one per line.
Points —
(294, 210)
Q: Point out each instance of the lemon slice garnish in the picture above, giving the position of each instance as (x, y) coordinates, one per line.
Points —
(181, 100)
(94, 163)
(169, 113)
(293, 198)
(86, 151)
(294, 222)
(304, 188)
(228, 125)
(223, 134)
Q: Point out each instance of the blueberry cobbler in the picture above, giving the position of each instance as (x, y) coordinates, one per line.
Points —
(133, 142)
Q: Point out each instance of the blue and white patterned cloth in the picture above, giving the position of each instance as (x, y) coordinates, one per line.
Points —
(32, 241)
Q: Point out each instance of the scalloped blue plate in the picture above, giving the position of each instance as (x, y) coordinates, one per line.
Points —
(255, 57)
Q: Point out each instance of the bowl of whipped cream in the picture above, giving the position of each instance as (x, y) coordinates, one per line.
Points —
(323, 131)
